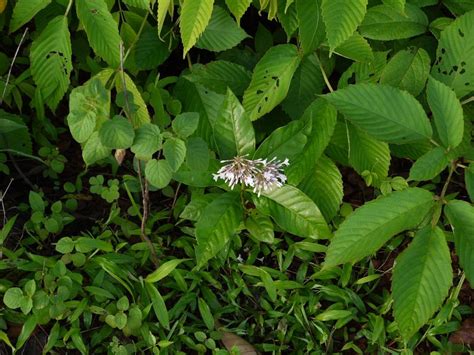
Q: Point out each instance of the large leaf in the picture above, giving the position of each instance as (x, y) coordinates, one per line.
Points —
(311, 25)
(293, 211)
(140, 115)
(195, 16)
(461, 217)
(147, 141)
(14, 133)
(221, 33)
(218, 222)
(271, 80)
(150, 51)
(429, 165)
(373, 224)
(342, 19)
(382, 22)
(324, 186)
(233, 130)
(447, 113)
(101, 29)
(51, 61)
(408, 70)
(387, 113)
(24, 11)
(454, 65)
(94, 150)
(238, 7)
(422, 277)
(117, 133)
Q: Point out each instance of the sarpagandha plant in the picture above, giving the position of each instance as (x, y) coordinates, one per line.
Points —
(220, 139)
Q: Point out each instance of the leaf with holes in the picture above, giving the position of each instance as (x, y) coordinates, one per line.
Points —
(24, 11)
(369, 227)
(429, 165)
(342, 19)
(386, 113)
(421, 280)
(51, 57)
(195, 16)
(271, 80)
(311, 24)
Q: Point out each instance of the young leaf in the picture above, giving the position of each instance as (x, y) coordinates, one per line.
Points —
(382, 22)
(447, 113)
(233, 130)
(147, 141)
(24, 11)
(342, 19)
(372, 225)
(158, 173)
(293, 211)
(271, 80)
(195, 16)
(238, 8)
(117, 133)
(429, 165)
(51, 61)
(158, 304)
(164, 6)
(217, 224)
(221, 33)
(311, 25)
(422, 277)
(461, 216)
(174, 150)
(101, 29)
(386, 113)
(164, 270)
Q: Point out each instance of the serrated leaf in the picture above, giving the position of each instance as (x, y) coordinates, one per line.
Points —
(311, 24)
(356, 48)
(383, 23)
(195, 16)
(364, 72)
(447, 113)
(288, 18)
(164, 6)
(51, 61)
(185, 124)
(197, 154)
(174, 150)
(398, 5)
(147, 141)
(221, 33)
(469, 180)
(408, 70)
(260, 227)
(158, 173)
(141, 4)
(238, 8)
(386, 113)
(429, 165)
(24, 11)
(217, 224)
(324, 186)
(101, 29)
(422, 277)
(461, 217)
(141, 115)
(94, 150)
(369, 227)
(117, 133)
(293, 211)
(150, 51)
(342, 19)
(233, 130)
(454, 64)
(271, 80)
(82, 125)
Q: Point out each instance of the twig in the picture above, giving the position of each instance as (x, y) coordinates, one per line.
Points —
(175, 197)
(2, 196)
(467, 100)
(325, 77)
(11, 65)
(452, 166)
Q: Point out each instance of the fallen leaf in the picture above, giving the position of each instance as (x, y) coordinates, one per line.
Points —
(231, 340)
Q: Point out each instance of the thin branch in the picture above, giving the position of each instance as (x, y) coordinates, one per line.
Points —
(68, 8)
(325, 77)
(467, 100)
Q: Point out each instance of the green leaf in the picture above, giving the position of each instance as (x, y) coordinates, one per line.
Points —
(36, 201)
(14, 133)
(293, 211)
(158, 173)
(218, 222)
(28, 328)
(6, 340)
(65, 245)
(260, 227)
(469, 180)
(311, 25)
(429, 165)
(82, 125)
(461, 216)
(147, 141)
(238, 8)
(185, 124)
(150, 51)
(356, 48)
(24, 11)
(164, 270)
(288, 18)
(94, 150)
(117, 133)
(324, 186)
(271, 80)
(408, 70)
(454, 65)
(141, 115)
(197, 154)
(386, 113)
(141, 4)
(233, 130)
(421, 280)
(383, 23)
(221, 33)
(174, 151)
(13, 297)
(158, 304)
(398, 5)
(447, 113)
(342, 19)
(372, 225)
(51, 61)
(206, 314)
(101, 29)
(164, 6)
(52, 338)
(195, 16)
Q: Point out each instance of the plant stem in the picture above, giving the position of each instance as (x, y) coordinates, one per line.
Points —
(452, 166)
(325, 77)
(68, 8)
(467, 100)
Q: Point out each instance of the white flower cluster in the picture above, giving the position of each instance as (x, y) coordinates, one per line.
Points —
(260, 174)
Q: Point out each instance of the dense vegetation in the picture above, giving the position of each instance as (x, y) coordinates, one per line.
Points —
(225, 176)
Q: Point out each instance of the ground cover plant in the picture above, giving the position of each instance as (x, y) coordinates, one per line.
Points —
(238, 176)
